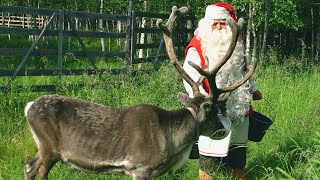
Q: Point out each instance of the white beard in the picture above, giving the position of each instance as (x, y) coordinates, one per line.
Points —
(215, 44)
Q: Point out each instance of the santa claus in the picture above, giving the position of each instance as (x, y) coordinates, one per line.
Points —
(211, 39)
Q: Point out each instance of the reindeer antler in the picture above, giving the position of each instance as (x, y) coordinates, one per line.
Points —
(167, 35)
(215, 94)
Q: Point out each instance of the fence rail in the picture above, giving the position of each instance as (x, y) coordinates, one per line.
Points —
(136, 34)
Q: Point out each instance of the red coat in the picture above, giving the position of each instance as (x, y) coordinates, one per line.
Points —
(197, 45)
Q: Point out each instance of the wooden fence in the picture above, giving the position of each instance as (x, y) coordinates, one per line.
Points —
(21, 21)
(141, 44)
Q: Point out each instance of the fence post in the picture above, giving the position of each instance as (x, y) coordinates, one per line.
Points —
(159, 50)
(128, 37)
(60, 41)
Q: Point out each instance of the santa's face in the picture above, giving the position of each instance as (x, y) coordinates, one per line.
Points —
(215, 38)
(219, 24)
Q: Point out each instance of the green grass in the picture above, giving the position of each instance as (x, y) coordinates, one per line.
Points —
(292, 101)
(289, 150)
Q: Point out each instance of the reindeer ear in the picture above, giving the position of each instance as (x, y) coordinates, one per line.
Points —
(183, 98)
(206, 106)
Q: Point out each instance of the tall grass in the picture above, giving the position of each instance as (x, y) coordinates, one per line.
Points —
(291, 99)
(289, 150)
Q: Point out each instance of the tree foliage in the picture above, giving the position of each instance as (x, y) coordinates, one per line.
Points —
(288, 20)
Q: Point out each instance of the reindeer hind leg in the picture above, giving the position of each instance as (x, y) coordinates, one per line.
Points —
(48, 160)
(31, 168)
(45, 159)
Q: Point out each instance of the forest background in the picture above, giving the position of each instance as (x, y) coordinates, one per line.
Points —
(290, 27)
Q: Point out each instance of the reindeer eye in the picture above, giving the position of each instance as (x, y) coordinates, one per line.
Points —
(206, 106)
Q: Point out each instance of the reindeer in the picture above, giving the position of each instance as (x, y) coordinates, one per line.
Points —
(142, 141)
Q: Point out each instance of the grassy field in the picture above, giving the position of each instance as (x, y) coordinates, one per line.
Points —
(290, 150)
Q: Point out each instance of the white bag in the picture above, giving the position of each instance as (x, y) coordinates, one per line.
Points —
(216, 148)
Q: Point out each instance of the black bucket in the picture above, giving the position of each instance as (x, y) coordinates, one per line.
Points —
(258, 125)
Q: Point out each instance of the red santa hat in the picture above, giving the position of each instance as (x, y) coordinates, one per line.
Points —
(219, 10)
